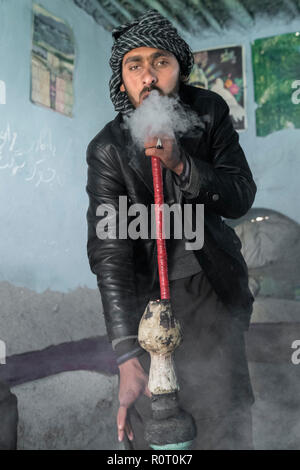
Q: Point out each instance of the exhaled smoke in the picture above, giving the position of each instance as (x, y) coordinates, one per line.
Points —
(161, 116)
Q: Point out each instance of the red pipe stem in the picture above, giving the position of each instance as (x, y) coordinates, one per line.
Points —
(160, 236)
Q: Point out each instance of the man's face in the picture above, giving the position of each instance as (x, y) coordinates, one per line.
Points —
(145, 69)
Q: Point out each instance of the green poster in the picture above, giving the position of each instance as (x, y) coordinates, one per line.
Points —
(276, 67)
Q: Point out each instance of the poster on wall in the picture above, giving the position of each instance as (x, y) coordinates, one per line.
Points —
(52, 62)
(276, 68)
(222, 70)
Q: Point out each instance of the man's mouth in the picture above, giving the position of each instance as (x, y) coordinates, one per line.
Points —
(145, 95)
(147, 92)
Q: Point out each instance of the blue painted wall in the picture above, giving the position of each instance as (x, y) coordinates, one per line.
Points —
(43, 224)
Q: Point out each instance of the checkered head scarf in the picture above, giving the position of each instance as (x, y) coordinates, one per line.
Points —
(149, 30)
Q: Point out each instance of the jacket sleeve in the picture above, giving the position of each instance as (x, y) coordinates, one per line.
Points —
(224, 183)
(111, 258)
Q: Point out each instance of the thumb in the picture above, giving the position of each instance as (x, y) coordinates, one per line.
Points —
(121, 421)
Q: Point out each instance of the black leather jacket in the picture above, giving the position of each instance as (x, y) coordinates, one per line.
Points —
(127, 269)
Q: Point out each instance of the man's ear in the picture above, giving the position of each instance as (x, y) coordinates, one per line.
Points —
(122, 88)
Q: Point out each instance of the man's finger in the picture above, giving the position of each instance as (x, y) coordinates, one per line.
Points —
(150, 142)
(129, 431)
(155, 153)
(121, 421)
(147, 392)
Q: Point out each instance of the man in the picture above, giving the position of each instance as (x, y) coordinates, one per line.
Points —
(209, 286)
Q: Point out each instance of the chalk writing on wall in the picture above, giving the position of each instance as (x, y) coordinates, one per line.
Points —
(34, 161)
(2, 92)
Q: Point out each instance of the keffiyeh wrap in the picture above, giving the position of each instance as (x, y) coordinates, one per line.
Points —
(149, 30)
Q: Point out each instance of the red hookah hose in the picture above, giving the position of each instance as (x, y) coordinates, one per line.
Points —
(160, 240)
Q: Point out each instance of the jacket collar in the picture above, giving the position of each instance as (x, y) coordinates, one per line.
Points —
(137, 160)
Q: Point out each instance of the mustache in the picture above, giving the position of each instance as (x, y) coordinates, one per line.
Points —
(150, 88)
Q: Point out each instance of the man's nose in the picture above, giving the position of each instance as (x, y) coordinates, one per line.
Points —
(149, 77)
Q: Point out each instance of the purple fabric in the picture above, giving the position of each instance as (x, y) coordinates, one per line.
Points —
(266, 342)
(93, 354)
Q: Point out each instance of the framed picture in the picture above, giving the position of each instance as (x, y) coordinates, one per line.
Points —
(222, 70)
(52, 62)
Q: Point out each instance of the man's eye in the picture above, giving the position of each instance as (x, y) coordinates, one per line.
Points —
(133, 67)
(162, 62)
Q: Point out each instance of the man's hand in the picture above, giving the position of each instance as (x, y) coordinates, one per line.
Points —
(133, 383)
(169, 155)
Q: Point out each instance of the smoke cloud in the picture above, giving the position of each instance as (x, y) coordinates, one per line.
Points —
(161, 116)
